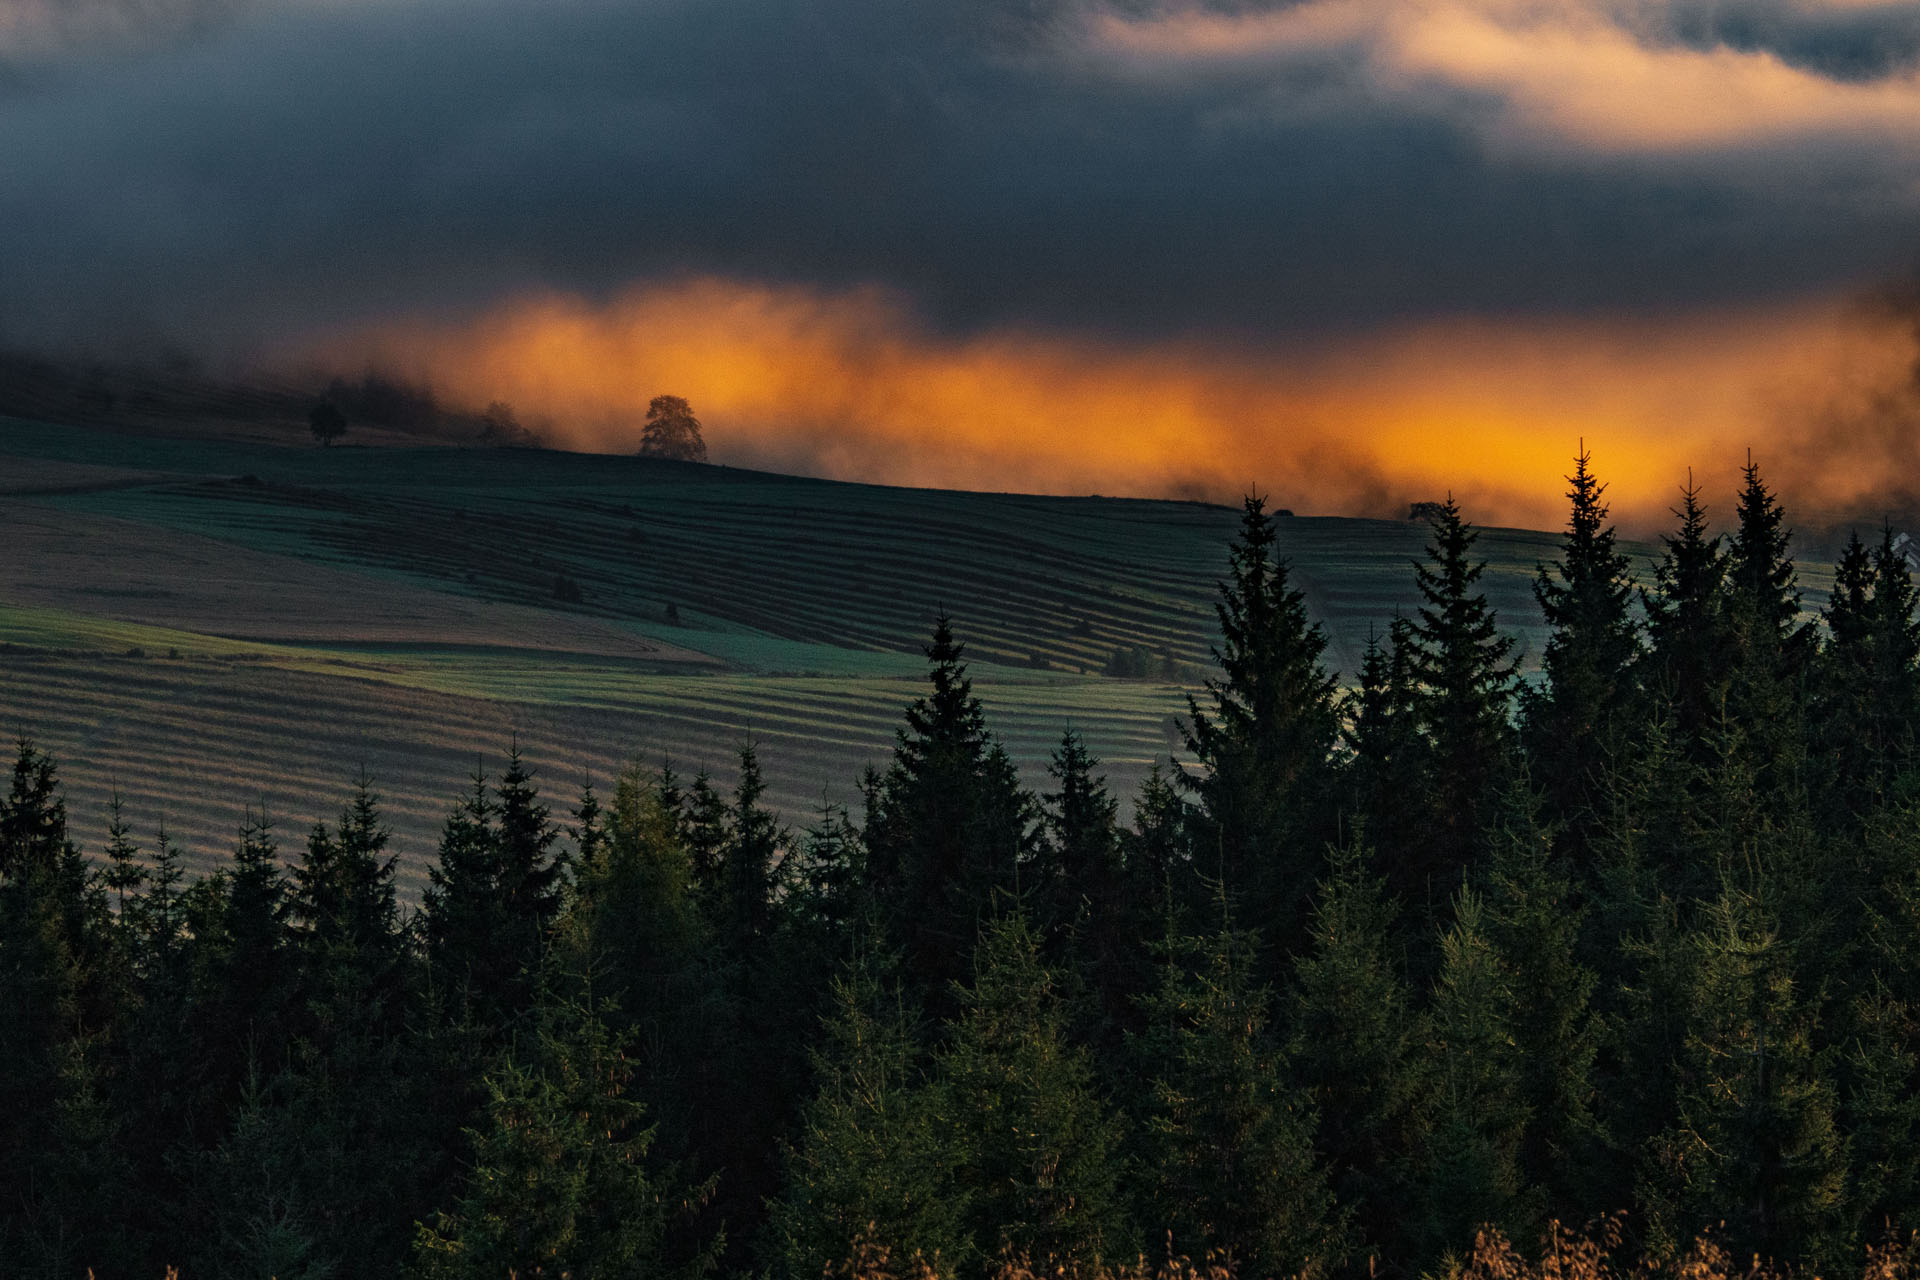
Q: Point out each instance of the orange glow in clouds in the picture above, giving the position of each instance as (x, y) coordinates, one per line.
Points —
(848, 385)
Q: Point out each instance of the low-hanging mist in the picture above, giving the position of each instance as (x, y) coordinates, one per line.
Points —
(851, 385)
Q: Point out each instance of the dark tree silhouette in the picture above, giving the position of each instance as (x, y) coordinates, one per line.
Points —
(326, 422)
(1572, 721)
(1263, 735)
(946, 825)
(672, 431)
(1463, 679)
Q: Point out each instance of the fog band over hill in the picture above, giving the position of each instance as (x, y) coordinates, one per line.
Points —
(1145, 247)
(856, 385)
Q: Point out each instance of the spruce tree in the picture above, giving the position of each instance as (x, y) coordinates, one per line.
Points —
(343, 900)
(253, 1215)
(872, 1161)
(1576, 718)
(1032, 1140)
(1227, 1140)
(493, 896)
(159, 915)
(532, 871)
(253, 971)
(1767, 698)
(463, 907)
(1892, 686)
(1844, 761)
(1387, 773)
(1896, 655)
(702, 817)
(53, 1011)
(167, 1064)
(561, 1183)
(1264, 736)
(1866, 695)
(749, 1059)
(1076, 863)
(1077, 886)
(358, 1133)
(121, 883)
(1472, 1171)
(1533, 922)
(1760, 562)
(1849, 623)
(947, 824)
(1692, 642)
(1354, 1045)
(124, 874)
(755, 841)
(1880, 1113)
(635, 925)
(589, 830)
(1755, 1141)
(1154, 851)
(1462, 675)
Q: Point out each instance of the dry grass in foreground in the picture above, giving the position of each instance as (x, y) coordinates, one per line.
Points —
(1590, 1255)
(870, 1261)
(1562, 1255)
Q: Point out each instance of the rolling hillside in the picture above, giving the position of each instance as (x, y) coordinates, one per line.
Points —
(209, 623)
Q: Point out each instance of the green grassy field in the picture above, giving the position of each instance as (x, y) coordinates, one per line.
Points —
(212, 623)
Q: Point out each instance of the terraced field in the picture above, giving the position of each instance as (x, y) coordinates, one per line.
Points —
(211, 623)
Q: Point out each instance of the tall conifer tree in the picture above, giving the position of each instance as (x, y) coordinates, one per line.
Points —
(1760, 561)
(1078, 885)
(1767, 699)
(1264, 735)
(1472, 1162)
(1354, 1045)
(1387, 766)
(1692, 643)
(755, 841)
(1755, 1141)
(563, 1183)
(1574, 720)
(1462, 671)
(51, 1012)
(947, 824)
(1533, 922)
(872, 1160)
(1032, 1140)
(1227, 1149)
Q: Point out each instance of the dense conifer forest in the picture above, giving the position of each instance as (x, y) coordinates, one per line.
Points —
(1369, 970)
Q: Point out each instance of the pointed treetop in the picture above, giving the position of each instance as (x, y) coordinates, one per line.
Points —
(1760, 563)
(950, 716)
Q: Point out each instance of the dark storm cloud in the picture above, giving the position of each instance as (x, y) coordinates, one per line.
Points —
(1846, 42)
(293, 166)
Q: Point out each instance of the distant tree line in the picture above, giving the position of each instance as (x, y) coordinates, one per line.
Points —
(671, 429)
(1367, 970)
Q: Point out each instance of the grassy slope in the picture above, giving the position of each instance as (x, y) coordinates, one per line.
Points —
(808, 599)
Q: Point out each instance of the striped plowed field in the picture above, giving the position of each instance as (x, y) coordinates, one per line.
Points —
(189, 744)
(136, 571)
(1063, 580)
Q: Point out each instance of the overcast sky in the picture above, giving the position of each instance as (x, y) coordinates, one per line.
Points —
(1344, 194)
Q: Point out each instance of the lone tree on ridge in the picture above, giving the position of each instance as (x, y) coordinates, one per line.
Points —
(327, 422)
(672, 431)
